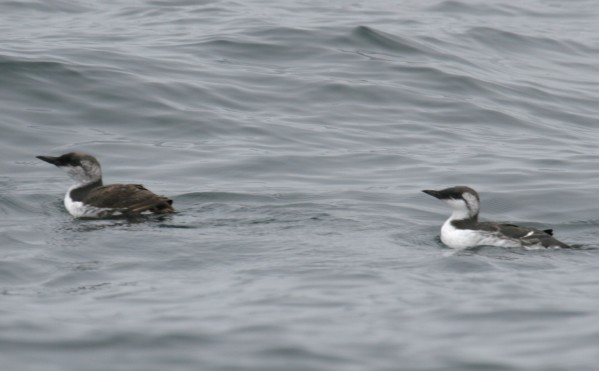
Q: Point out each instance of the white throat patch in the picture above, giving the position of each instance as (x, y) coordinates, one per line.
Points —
(472, 203)
(460, 209)
(86, 173)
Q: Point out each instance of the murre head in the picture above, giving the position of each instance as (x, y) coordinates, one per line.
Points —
(83, 168)
(463, 200)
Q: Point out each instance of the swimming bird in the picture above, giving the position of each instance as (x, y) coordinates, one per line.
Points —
(463, 230)
(89, 198)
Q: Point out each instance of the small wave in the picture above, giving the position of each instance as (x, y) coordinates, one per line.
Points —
(367, 37)
(481, 9)
(223, 197)
(55, 6)
(509, 9)
(10, 65)
(509, 40)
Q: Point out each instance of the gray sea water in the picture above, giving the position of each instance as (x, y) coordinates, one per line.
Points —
(295, 138)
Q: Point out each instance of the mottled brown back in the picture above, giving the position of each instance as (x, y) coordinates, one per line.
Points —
(129, 198)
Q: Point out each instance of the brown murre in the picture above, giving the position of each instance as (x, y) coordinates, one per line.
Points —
(89, 198)
(463, 230)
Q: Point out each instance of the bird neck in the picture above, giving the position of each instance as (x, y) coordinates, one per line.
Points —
(78, 191)
(465, 214)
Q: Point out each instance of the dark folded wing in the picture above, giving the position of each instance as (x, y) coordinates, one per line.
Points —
(528, 236)
(129, 199)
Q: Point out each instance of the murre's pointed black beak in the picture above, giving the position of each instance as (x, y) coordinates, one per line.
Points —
(435, 194)
(50, 160)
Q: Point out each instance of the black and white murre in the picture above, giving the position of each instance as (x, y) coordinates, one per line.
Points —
(90, 199)
(463, 230)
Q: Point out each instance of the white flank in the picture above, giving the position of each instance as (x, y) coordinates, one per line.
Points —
(80, 210)
(466, 238)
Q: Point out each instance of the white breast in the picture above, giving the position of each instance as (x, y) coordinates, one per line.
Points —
(466, 238)
(80, 210)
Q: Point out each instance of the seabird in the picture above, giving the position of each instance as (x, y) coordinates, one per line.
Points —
(89, 198)
(463, 230)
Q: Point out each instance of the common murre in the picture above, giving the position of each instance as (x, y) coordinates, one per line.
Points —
(463, 230)
(89, 198)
